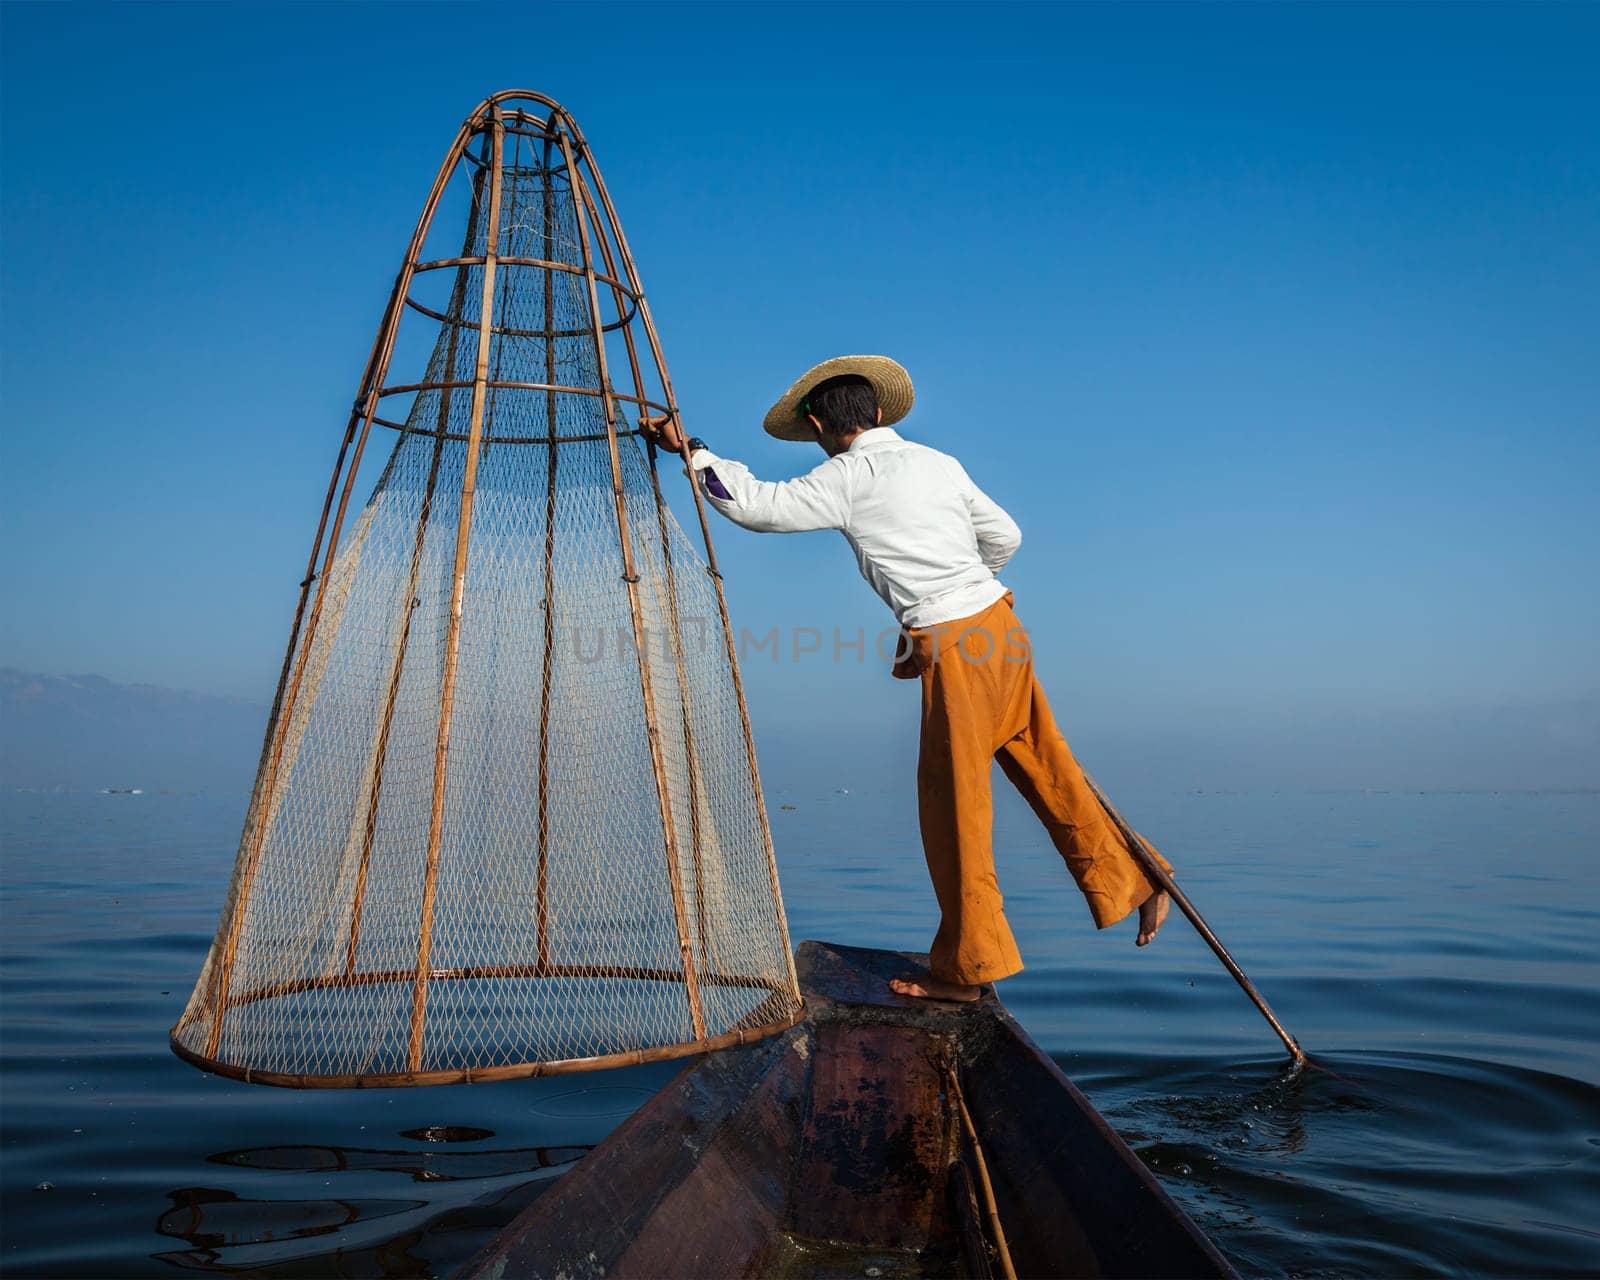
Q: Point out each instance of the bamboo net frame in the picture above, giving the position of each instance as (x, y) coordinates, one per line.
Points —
(507, 819)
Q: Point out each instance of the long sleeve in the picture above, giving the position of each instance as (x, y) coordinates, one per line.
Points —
(817, 500)
(997, 533)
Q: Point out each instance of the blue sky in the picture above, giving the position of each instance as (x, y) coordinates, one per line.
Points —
(1275, 328)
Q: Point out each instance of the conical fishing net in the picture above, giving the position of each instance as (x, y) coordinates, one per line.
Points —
(507, 818)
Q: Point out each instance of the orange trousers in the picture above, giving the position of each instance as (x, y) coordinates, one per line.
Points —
(981, 702)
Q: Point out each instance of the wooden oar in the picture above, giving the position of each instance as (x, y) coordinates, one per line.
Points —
(1161, 876)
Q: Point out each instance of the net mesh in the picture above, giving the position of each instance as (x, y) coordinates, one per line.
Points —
(558, 912)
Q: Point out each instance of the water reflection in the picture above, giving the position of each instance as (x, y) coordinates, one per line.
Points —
(212, 1219)
(421, 1166)
(447, 1133)
(357, 1233)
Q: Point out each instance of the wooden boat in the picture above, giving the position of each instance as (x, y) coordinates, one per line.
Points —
(879, 1137)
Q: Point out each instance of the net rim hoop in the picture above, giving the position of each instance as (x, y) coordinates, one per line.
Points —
(479, 973)
(487, 1075)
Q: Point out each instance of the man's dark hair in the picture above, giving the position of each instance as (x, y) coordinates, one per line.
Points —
(842, 404)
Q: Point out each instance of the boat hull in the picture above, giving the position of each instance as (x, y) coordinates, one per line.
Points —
(880, 1136)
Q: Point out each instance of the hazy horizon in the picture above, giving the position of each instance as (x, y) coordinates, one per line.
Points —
(82, 732)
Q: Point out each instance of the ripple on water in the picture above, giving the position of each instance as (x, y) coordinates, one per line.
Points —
(1417, 1151)
(1353, 1165)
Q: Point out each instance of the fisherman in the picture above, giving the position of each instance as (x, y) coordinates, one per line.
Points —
(930, 542)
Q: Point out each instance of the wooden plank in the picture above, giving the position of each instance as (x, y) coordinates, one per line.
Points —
(1074, 1199)
(651, 1200)
(873, 1164)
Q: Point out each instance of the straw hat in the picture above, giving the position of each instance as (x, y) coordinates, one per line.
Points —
(891, 382)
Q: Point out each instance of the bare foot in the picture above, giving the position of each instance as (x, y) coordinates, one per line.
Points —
(927, 987)
(1152, 915)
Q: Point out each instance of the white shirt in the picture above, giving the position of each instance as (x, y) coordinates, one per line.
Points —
(928, 540)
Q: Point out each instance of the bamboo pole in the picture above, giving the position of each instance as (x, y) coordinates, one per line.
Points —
(592, 438)
(310, 574)
(445, 319)
(457, 973)
(366, 408)
(631, 577)
(659, 357)
(547, 658)
(597, 393)
(452, 654)
(547, 264)
(1163, 878)
(397, 668)
(991, 1210)
(685, 705)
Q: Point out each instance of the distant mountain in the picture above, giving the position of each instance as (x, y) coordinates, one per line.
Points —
(85, 733)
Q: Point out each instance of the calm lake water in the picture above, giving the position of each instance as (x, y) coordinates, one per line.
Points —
(1437, 953)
